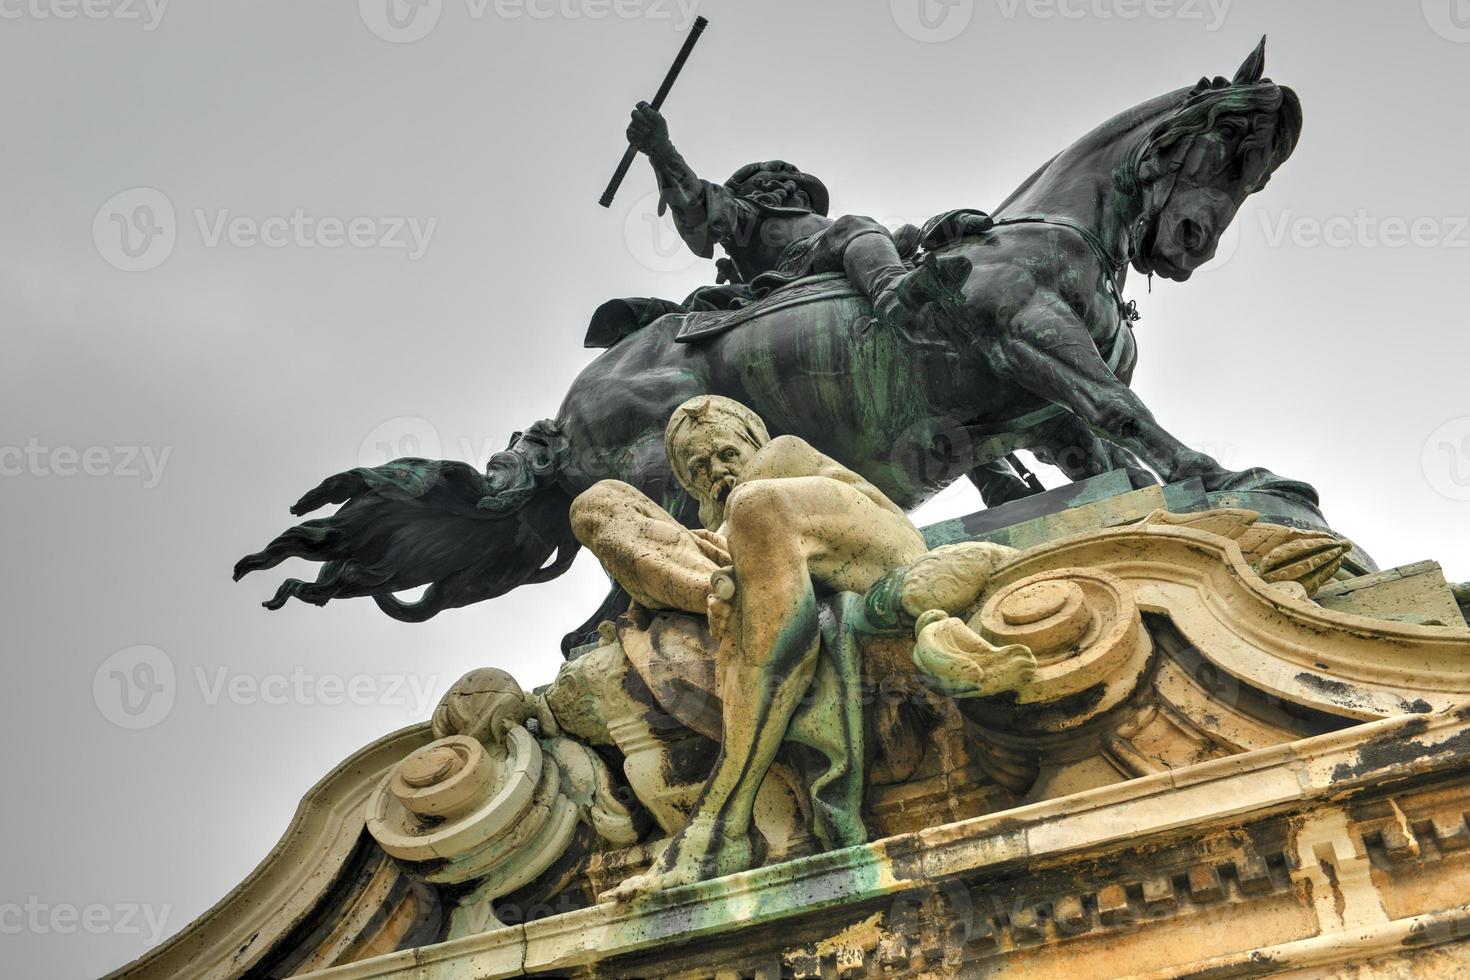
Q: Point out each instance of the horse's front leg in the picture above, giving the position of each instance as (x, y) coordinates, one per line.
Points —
(1073, 447)
(1046, 348)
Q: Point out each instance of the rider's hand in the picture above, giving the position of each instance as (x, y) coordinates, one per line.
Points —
(648, 131)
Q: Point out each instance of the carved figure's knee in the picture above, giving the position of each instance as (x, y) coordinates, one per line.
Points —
(594, 507)
(757, 509)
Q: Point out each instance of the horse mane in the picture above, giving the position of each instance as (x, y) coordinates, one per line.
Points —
(1106, 133)
(1178, 114)
(1212, 98)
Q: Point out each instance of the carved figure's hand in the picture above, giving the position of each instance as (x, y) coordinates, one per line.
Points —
(648, 131)
(715, 548)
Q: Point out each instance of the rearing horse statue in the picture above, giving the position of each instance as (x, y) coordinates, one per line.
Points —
(1036, 354)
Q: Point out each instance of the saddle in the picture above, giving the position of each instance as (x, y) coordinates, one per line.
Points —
(713, 310)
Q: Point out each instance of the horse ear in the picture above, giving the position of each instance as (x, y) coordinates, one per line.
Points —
(1253, 67)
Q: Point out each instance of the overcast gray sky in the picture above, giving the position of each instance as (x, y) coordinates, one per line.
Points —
(172, 384)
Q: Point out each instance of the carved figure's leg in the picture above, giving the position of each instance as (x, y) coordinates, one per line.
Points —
(661, 563)
(788, 538)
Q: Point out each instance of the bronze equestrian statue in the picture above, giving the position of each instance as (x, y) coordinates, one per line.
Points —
(1032, 349)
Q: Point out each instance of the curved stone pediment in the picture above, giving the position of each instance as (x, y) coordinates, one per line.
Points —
(1173, 672)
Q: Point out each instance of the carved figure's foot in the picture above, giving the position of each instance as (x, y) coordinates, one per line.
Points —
(956, 661)
(696, 853)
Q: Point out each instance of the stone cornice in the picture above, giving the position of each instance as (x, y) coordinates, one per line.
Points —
(1285, 778)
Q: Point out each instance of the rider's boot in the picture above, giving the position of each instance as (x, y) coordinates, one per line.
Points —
(937, 279)
(873, 265)
(897, 291)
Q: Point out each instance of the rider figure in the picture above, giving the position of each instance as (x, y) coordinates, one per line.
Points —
(771, 217)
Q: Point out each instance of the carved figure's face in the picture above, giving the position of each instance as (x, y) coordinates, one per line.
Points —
(714, 454)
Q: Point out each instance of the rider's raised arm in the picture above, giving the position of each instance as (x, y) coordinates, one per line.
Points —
(705, 213)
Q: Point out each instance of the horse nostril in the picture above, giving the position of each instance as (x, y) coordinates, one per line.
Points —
(1192, 235)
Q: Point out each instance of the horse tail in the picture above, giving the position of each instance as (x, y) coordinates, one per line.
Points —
(468, 536)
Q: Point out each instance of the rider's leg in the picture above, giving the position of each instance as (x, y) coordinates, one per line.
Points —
(864, 250)
(661, 563)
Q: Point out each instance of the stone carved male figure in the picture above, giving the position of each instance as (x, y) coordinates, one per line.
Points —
(771, 217)
(793, 523)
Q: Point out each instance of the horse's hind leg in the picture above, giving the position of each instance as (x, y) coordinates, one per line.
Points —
(998, 483)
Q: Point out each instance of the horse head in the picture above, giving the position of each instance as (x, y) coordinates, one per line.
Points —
(1196, 167)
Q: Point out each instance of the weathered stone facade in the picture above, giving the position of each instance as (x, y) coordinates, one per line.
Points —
(1209, 774)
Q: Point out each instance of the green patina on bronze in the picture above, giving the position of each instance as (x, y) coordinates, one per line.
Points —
(1033, 350)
